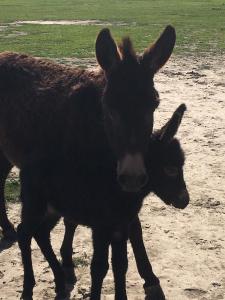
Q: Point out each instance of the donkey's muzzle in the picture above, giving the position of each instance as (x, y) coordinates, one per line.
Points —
(132, 183)
(182, 200)
(131, 173)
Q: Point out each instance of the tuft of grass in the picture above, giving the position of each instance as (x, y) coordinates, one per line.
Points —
(81, 261)
(12, 189)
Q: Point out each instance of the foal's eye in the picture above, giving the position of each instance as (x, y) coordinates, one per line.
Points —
(171, 171)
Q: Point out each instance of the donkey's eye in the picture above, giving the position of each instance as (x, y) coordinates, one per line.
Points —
(171, 171)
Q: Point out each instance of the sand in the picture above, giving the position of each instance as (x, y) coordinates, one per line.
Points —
(186, 247)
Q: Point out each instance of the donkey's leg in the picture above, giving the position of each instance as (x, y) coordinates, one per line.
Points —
(9, 233)
(119, 263)
(152, 286)
(42, 237)
(34, 209)
(67, 253)
(99, 264)
(24, 241)
(31, 220)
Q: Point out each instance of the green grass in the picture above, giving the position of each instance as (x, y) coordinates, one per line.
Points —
(200, 25)
(12, 189)
(81, 261)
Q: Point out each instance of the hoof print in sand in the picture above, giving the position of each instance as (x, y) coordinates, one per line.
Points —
(194, 293)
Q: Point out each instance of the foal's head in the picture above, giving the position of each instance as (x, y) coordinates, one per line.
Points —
(166, 163)
(129, 100)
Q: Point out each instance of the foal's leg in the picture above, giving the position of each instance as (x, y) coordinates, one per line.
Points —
(99, 264)
(34, 209)
(119, 263)
(9, 234)
(42, 237)
(24, 241)
(67, 253)
(25, 231)
(152, 286)
(39, 227)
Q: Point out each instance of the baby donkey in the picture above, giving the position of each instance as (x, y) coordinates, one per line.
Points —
(90, 195)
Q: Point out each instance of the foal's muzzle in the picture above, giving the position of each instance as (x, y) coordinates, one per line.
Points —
(182, 200)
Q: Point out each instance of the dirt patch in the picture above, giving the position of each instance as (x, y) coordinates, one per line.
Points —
(187, 247)
(3, 28)
(15, 34)
(70, 22)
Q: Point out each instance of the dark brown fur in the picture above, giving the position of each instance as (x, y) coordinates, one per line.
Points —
(90, 195)
(47, 109)
(37, 107)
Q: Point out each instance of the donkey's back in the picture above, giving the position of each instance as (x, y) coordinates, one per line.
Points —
(16, 69)
(43, 103)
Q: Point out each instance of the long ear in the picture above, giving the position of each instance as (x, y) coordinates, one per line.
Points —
(106, 50)
(169, 130)
(158, 54)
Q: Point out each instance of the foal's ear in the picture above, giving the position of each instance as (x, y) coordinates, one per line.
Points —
(169, 130)
(158, 54)
(106, 50)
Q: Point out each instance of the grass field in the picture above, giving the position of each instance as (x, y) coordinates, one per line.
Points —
(200, 25)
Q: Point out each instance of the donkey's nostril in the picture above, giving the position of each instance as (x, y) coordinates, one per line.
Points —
(142, 180)
(123, 180)
(182, 200)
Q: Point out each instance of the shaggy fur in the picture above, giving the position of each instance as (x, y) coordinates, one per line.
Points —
(96, 200)
(49, 110)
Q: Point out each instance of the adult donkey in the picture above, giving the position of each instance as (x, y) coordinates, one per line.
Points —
(47, 109)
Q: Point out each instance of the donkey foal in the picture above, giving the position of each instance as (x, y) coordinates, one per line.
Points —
(90, 195)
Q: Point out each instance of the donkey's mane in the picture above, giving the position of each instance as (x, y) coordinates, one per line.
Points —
(126, 49)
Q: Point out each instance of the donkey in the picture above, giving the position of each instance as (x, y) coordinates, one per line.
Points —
(48, 192)
(47, 109)
(41, 109)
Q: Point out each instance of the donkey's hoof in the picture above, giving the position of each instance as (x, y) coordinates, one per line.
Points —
(27, 294)
(26, 297)
(63, 296)
(154, 292)
(8, 239)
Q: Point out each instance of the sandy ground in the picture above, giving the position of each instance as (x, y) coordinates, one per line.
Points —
(186, 248)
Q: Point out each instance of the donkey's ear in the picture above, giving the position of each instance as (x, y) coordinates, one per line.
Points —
(169, 130)
(158, 54)
(106, 50)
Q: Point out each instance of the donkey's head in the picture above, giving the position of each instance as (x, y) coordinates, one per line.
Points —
(167, 161)
(129, 101)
